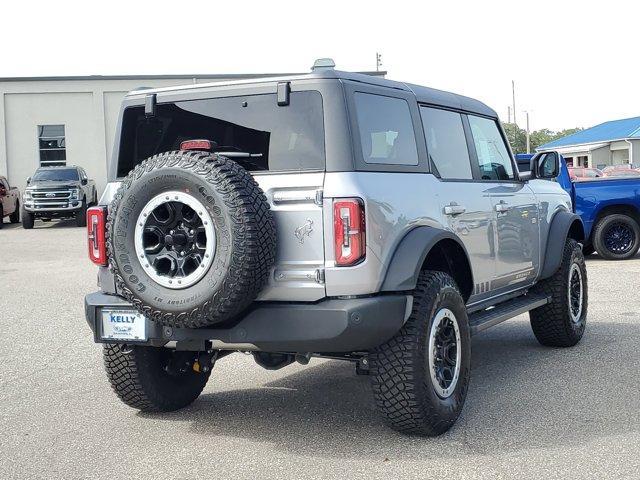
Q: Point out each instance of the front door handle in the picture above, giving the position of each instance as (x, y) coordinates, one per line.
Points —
(453, 209)
(502, 206)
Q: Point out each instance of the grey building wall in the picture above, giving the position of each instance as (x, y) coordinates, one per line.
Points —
(600, 157)
(635, 153)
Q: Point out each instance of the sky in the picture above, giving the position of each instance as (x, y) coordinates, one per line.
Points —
(574, 63)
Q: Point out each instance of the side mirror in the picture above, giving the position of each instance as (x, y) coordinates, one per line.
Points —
(84, 181)
(28, 180)
(549, 165)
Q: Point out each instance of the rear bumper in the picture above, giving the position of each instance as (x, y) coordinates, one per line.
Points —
(333, 325)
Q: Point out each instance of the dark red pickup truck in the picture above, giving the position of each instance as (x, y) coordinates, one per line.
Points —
(9, 202)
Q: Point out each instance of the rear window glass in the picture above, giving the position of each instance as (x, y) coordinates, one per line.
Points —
(386, 130)
(253, 130)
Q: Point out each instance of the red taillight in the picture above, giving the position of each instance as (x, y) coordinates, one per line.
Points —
(195, 145)
(349, 231)
(96, 218)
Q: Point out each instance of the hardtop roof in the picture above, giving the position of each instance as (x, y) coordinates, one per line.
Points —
(423, 94)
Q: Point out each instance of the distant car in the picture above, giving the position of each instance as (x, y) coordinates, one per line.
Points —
(622, 172)
(9, 202)
(583, 173)
(58, 192)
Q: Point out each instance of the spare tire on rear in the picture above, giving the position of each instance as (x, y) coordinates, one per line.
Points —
(190, 238)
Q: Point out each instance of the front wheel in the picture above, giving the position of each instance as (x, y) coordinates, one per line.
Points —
(153, 379)
(15, 216)
(561, 322)
(420, 377)
(617, 237)
(27, 220)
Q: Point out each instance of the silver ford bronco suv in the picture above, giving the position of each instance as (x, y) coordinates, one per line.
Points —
(333, 215)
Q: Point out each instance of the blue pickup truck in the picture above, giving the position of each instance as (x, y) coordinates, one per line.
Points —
(609, 208)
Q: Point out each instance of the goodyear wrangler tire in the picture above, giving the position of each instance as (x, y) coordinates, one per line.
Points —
(153, 379)
(190, 238)
(561, 323)
(420, 377)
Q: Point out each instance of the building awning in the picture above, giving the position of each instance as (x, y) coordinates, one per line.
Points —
(581, 149)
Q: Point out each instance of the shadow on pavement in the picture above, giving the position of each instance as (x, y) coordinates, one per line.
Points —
(39, 224)
(522, 396)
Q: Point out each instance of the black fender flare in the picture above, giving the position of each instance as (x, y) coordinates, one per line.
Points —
(559, 229)
(410, 254)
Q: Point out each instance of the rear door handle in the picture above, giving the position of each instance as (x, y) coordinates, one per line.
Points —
(454, 209)
(502, 206)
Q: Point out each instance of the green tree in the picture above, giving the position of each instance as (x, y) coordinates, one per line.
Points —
(518, 137)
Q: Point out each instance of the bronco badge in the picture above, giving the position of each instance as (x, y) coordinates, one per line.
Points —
(304, 230)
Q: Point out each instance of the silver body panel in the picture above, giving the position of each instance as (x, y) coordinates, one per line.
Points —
(504, 247)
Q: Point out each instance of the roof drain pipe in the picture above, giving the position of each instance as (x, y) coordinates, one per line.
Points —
(630, 152)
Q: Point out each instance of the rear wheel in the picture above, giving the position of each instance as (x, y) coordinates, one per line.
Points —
(617, 237)
(153, 379)
(561, 322)
(15, 216)
(420, 377)
(27, 220)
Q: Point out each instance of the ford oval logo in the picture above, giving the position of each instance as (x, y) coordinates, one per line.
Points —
(51, 195)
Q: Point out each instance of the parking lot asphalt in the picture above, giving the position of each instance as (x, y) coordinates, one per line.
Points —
(531, 412)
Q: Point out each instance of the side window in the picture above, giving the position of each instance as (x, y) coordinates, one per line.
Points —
(493, 157)
(446, 143)
(386, 130)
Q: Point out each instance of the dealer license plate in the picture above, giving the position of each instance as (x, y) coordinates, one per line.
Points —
(124, 325)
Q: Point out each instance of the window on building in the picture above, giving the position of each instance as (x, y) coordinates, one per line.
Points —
(446, 143)
(52, 145)
(386, 130)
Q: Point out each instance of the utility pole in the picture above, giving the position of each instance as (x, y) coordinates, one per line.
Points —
(515, 123)
(528, 135)
(508, 114)
(378, 61)
(513, 91)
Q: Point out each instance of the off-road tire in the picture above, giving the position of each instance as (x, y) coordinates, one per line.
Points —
(244, 229)
(552, 323)
(15, 216)
(399, 369)
(27, 220)
(81, 215)
(138, 377)
(600, 231)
